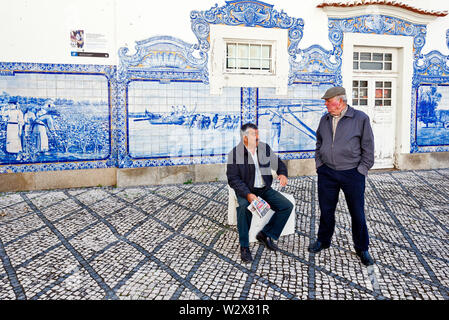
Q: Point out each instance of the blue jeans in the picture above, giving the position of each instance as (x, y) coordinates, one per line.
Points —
(353, 185)
(281, 206)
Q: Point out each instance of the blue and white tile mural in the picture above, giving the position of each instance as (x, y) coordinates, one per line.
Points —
(432, 115)
(51, 119)
(155, 107)
(181, 118)
(289, 124)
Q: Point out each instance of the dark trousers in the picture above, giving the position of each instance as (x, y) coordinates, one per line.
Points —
(353, 185)
(281, 206)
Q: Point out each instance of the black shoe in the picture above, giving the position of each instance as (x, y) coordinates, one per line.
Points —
(266, 241)
(317, 246)
(246, 254)
(365, 257)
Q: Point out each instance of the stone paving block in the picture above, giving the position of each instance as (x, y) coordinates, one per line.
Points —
(327, 287)
(173, 242)
(31, 246)
(107, 206)
(171, 192)
(74, 223)
(6, 289)
(19, 227)
(124, 220)
(61, 209)
(440, 267)
(398, 286)
(284, 272)
(150, 282)
(14, 211)
(192, 201)
(76, 284)
(399, 258)
(150, 203)
(91, 241)
(174, 215)
(181, 255)
(92, 195)
(45, 270)
(212, 276)
(149, 235)
(9, 199)
(42, 200)
(202, 229)
(116, 262)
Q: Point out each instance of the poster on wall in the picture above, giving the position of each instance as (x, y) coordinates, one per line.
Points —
(85, 44)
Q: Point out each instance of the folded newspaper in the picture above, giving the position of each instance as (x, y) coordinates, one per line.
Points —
(259, 207)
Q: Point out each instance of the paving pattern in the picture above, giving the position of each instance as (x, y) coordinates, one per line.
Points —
(173, 242)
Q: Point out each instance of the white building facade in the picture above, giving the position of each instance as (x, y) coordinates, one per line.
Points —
(95, 111)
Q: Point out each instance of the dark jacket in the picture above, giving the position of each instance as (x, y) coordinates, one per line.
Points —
(353, 146)
(241, 170)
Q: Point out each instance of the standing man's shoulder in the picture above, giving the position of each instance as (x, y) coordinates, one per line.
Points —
(359, 114)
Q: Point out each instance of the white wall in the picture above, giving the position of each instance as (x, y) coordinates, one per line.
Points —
(38, 30)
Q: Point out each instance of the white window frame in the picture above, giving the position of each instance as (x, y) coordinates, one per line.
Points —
(221, 77)
(271, 70)
(394, 61)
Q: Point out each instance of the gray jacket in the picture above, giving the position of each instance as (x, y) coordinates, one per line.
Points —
(353, 146)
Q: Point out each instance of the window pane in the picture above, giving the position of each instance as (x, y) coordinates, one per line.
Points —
(243, 50)
(355, 65)
(231, 50)
(387, 84)
(255, 51)
(242, 63)
(266, 51)
(379, 93)
(363, 102)
(355, 102)
(255, 64)
(356, 56)
(355, 83)
(266, 64)
(387, 66)
(377, 56)
(387, 93)
(355, 93)
(371, 65)
(364, 84)
(379, 84)
(230, 63)
(388, 56)
(378, 102)
(365, 56)
(363, 93)
(387, 102)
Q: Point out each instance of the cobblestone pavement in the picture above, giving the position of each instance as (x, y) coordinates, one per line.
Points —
(173, 242)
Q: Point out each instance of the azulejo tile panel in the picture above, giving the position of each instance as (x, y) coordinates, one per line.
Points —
(289, 124)
(181, 119)
(430, 104)
(155, 109)
(55, 117)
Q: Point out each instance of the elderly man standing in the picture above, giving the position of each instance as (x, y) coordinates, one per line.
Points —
(249, 174)
(344, 154)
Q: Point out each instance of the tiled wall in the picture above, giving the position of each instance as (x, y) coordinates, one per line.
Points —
(155, 108)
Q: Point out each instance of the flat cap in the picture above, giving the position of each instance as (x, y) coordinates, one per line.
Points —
(333, 92)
